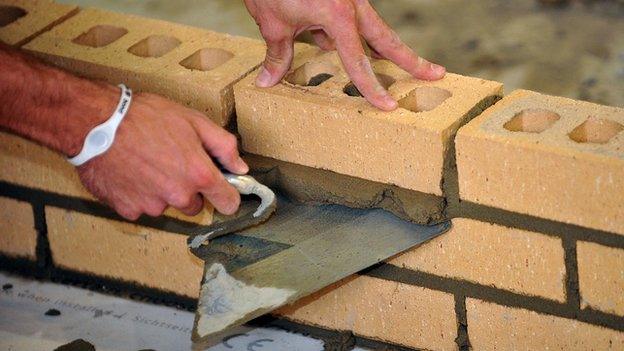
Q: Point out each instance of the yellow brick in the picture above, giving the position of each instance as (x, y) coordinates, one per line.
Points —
(193, 66)
(495, 327)
(123, 251)
(24, 19)
(322, 127)
(18, 237)
(28, 164)
(548, 157)
(512, 259)
(601, 277)
(383, 310)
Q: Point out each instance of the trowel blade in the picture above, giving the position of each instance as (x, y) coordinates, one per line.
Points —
(300, 250)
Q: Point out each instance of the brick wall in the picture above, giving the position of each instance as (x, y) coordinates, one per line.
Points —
(535, 258)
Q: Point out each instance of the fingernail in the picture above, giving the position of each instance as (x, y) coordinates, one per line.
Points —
(389, 103)
(233, 207)
(264, 78)
(242, 166)
(438, 70)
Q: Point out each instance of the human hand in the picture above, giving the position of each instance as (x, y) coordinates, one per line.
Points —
(161, 157)
(335, 24)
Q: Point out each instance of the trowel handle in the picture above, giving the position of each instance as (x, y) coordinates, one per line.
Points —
(245, 185)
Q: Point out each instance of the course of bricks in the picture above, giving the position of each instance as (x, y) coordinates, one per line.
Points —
(319, 125)
(192, 66)
(535, 258)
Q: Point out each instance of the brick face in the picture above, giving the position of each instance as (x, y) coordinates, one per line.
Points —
(543, 156)
(26, 163)
(192, 66)
(383, 310)
(512, 259)
(123, 251)
(495, 327)
(322, 127)
(601, 277)
(38, 16)
(18, 237)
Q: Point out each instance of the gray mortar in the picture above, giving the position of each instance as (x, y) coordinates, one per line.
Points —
(318, 186)
(450, 182)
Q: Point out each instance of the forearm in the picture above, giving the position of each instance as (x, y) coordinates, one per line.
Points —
(48, 105)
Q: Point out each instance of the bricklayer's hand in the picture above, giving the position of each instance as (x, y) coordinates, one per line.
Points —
(161, 157)
(335, 24)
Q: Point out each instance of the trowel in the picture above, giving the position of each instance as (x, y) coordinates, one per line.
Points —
(255, 263)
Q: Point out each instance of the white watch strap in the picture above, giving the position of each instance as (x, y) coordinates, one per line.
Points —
(101, 138)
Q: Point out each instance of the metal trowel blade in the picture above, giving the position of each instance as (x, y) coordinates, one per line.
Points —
(300, 250)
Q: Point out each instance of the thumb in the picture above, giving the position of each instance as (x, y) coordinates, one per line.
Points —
(279, 56)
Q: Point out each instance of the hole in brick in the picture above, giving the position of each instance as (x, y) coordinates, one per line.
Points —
(424, 99)
(532, 120)
(100, 36)
(207, 59)
(154, 46)
(10, 14)
(596, 130)
(385, 80)
(312, 74)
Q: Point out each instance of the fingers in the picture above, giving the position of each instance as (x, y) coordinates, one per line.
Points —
(154, 207)
(357, 65)
(278, 58)
(322, 40)
(216, 189)
(220, 144)
(387, 43)
(194, 206)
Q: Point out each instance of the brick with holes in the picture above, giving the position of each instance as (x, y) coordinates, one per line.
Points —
(316, 118)
(193, 66)
(22, 20)
(546, 156)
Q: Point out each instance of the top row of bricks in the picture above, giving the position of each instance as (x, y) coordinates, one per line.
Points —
(192, 66)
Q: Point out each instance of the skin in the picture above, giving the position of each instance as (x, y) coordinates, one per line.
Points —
(339, 25)
(162, 154)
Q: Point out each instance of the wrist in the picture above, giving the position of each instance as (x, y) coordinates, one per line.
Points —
(88, 109)
(101, 138)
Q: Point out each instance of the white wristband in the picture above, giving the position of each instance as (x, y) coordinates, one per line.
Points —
(101, 138)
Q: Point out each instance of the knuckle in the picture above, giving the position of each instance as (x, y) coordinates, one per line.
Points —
(394, 42)
(274, 60)
(342, 9)
(203, 177)
(178, 199)
(230, 143)
(273, 34)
